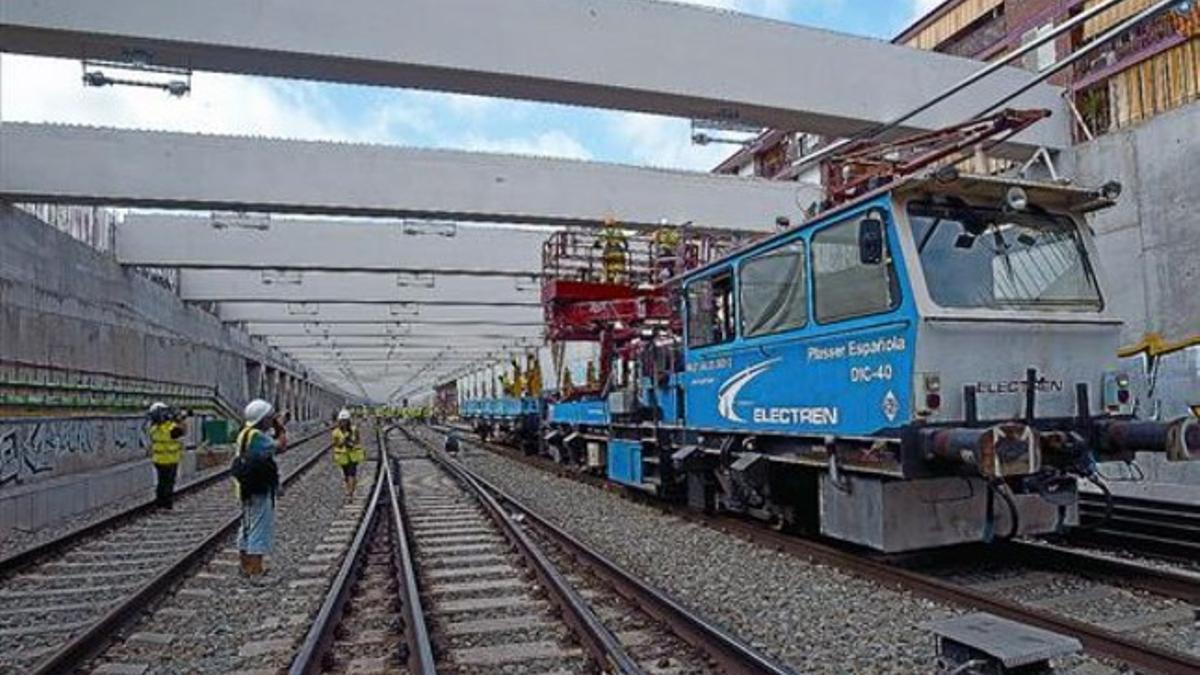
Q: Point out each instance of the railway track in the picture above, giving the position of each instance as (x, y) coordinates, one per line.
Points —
(1179, 592)
(1142, 526)
(499, 593)
(61, 600)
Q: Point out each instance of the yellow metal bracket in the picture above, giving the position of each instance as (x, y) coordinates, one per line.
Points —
(1155, 345)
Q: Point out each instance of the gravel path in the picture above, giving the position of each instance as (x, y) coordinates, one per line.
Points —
(218, 622)
(812, 617)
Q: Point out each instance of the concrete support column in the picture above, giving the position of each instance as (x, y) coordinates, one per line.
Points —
(254, 380)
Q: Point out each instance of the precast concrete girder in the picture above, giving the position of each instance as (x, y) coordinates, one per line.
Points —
(50, 163)
(326, 314)
(621, 54)
(405, 342)
(411, 247)
(285, 332)
(353, 287)
(411, 352)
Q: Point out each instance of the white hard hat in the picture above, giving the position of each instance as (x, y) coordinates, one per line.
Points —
(343, 414)
(258, 410)
(157, 405)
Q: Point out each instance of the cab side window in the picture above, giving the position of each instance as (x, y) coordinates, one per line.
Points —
(774, 291)
(710, 310)
(845, 285)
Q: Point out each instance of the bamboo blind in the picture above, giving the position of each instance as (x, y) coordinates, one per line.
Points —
(951, 23)
(1164, 82)
(1109, 18)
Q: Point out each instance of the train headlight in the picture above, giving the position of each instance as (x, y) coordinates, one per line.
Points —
(1016, 198)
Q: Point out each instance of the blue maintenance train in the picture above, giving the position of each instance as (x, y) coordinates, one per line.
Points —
(932, 363)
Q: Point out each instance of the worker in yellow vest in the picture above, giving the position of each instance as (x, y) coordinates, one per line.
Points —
(614, 252)
(347, 450)
(167, 430)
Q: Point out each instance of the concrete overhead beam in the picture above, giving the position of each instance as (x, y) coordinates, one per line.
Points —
(299, 342)
(329, 314)
(284, 332)
(291, 244)
(49, 163)
(619, 54)
(352, 287)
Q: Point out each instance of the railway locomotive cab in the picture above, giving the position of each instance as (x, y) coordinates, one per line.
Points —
(928, 365)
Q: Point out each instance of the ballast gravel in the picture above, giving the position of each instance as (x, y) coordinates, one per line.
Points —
(813, 618)
(220, 622)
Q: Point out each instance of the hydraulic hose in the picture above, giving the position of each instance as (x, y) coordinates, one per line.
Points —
(998, 487)
(1095, 479)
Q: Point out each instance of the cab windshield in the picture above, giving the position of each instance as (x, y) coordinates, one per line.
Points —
(979, 257)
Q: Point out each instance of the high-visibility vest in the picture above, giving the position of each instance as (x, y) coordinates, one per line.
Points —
(346, 448)
(165, 450)
(245, 438)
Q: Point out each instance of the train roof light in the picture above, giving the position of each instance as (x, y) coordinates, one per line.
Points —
(1016, 198)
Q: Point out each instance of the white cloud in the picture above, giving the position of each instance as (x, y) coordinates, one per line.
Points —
(553, 143)
(922, 7)
(775, 9)
(666, 142)
(36, 89)
(49, 90)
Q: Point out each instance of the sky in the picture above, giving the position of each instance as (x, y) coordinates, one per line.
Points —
(49, 90)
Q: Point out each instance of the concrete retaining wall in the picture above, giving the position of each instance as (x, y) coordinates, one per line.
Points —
(28, 508)
(1150, 242)
(65, 306)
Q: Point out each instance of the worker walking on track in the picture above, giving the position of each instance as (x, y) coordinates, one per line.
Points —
(257, 483)
(167, 430)
(347, 450)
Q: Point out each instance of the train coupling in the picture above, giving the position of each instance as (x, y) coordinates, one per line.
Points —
(1179, 439)
(1008, 449)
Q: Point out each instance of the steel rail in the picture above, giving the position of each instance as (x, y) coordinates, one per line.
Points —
(1138, 524)
(310, 658)
(1151, 579)
(92, 641)
(420, 650)
(730, 653)
(605, 648)
(1148, 657)
(25, 557)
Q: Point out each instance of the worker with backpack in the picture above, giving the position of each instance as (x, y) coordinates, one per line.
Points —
(257, 479)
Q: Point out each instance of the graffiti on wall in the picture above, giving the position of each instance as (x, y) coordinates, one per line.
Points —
(31, 449)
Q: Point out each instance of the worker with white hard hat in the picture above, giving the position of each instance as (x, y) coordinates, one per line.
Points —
(258, 481)
(167, 429)
(347, 450)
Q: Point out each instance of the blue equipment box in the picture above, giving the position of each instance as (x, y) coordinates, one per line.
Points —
(588, 413)
(625, 462)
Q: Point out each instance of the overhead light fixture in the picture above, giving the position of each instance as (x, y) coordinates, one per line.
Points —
(137, 72)
(282, 277)
(533, 284)
(221, 220)
(415, 279)
(441, 228)
(403, 309)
